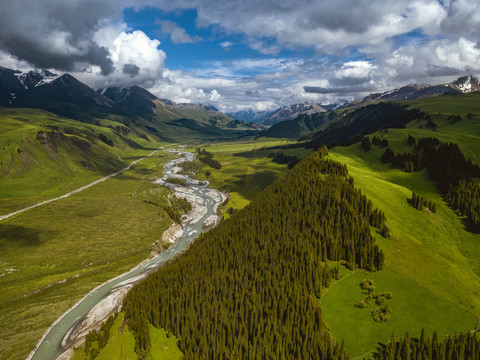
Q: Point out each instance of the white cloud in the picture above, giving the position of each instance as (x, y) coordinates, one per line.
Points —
(226, 44)
(136, 58)
(325, 25)
(87, 38)
(177, 34)
(355, 70)
(463, 19)
(435, 61)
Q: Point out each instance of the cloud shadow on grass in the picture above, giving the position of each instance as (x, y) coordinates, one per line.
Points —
(21, 235)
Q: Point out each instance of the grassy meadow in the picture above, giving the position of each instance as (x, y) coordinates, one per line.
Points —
(430, 258)
(43, 156)
(413, 308)
(52, 255)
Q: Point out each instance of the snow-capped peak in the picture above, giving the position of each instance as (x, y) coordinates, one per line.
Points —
(466, 86)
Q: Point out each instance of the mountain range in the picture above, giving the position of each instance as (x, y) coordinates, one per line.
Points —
(66, 96)
(283, 113)
(464, 84)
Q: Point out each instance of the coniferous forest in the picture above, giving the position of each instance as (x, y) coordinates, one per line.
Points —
(248, 289)
(460, 346)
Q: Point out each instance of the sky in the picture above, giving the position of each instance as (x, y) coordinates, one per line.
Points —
(245, 54)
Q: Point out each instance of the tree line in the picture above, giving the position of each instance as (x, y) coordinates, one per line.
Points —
(207, 158)
(248, 289)
(366, 144)
(457, 178)
(463, 346)
(281, 158)
(419, 202)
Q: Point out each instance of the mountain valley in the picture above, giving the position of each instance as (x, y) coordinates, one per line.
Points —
(59, 134)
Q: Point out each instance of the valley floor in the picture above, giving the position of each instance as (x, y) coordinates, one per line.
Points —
(112, 225)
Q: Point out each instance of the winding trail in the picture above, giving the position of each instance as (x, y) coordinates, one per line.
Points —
(87, 314)
(3, 217)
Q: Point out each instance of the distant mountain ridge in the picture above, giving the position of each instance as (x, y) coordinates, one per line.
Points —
(291, 112)
(249, 115)
(464, 84)
(14, 83)
(269, 118)
(37, 88)
(31, 88)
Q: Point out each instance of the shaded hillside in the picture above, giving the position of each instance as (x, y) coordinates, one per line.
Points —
(134, 99)
(363, 121)
(300, 126)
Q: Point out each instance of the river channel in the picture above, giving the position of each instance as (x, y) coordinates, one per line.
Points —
(60, 337)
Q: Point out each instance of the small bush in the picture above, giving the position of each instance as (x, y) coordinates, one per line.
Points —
(360, 304)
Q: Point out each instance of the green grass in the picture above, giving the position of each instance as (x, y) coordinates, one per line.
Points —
(453, 104)
(435, 251)
(246, 168)
(413, 308)
(121, 345)
(60, 251)
(466, 133)
(163, 347)
(68, 156)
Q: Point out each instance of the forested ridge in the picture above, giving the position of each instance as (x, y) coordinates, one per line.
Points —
(248, 289)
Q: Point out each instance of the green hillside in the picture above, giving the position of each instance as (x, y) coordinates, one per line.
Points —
(432, 266)
(432, 251)
(43, 155)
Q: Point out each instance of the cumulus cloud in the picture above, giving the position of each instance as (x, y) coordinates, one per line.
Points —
(353, 46)
(354, 70)
(135, 57)
(177, 34)
(265, 91)
(439, 59)
(56, 34)
(324, 25)
(463, 19)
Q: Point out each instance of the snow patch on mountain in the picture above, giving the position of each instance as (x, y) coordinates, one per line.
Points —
(22, 77)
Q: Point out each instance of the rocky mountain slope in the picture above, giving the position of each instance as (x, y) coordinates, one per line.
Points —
(269, 118)
(464, 84)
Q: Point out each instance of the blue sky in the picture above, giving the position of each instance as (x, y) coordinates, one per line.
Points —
(246, 54)
(209, 43)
